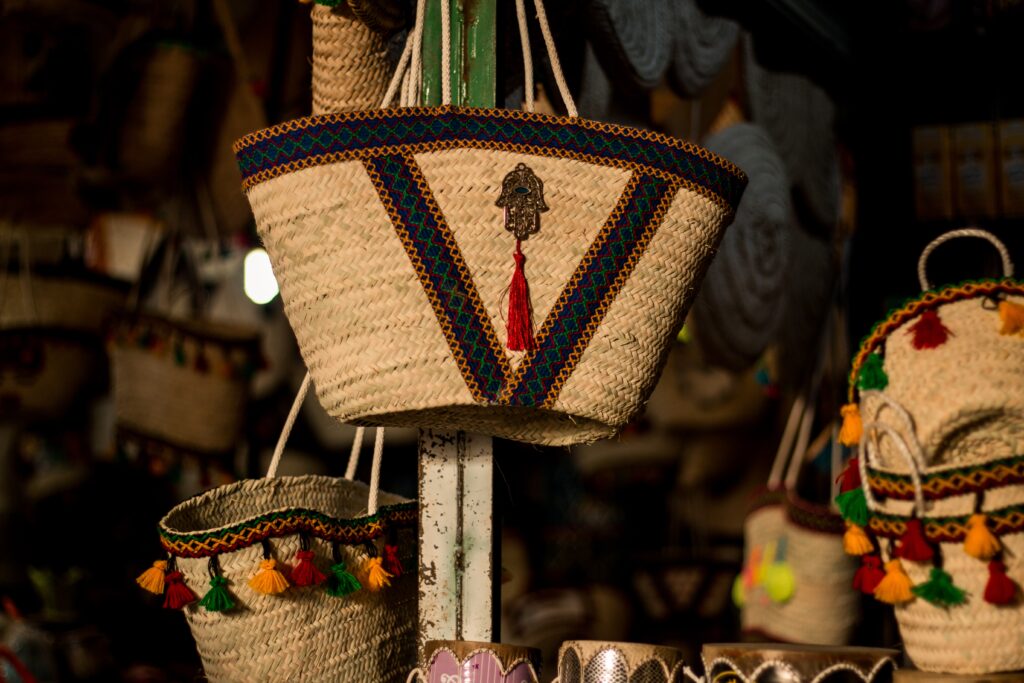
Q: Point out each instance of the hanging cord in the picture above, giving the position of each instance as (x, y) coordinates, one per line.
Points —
(867, 451)
(446, 52)
(378, 452)
(922, 262)
(524, 39)
(289, 423)
(353, 457)
(556, 65)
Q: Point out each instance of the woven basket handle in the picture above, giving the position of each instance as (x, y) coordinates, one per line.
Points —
(922, 262)
(867, 452)
(409, 73)
(353, 459)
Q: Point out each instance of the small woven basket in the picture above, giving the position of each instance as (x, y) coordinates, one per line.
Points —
(327, 615)
(350, 64)
(389, 233)
(51, 337)
(182, 384)
(940, 426)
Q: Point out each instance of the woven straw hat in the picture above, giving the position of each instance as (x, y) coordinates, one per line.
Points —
(739, 308)
(800, 119)
(701, 47)
(632, 38)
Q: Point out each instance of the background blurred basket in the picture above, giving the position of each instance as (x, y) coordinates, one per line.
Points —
(350, 64)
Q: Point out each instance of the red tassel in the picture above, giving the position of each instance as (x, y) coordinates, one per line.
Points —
(520, 328)
(178, 594)
(1000, 589)
(849, 478)
(913, 545)
(392, 565)
(929, 332)
(305, 572)
(869, 575)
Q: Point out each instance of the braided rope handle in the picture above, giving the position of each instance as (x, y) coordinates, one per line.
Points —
(353, 458)
(866, 450)
(922, 262)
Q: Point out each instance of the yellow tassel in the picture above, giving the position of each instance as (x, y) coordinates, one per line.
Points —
(856, 541)
(374, 575)
(1012, 316)
(152, 579)
(980, 542)
(850, 433)
(268, 580)
(894, 588)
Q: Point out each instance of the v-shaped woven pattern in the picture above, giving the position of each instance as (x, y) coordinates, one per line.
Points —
(469, 330)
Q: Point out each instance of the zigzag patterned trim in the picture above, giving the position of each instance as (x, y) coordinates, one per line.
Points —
(443, 272)
(582, 305)
(332, 138)
(911, 308)
(288, 522)
(1007, 520)
(951, 482)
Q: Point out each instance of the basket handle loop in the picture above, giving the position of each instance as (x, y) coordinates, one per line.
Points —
(353, 459)
(922, 262)
(867, 451)
(415, 675)
(905, 417)
(408, 73)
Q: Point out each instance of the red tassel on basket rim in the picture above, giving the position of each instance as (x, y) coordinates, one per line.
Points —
(849, 478)
(1000, 588)
(913, 545)
(305, 572)
(520, 326)
(869, 574)
(392, 563)
(929, 332)
(178, 594)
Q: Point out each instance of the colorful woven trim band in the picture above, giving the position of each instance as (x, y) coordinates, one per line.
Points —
(332, 138)
(1007, 520)
(950, 482)
(286, 523)
(812, 517)
(468, 329)
(913, 307)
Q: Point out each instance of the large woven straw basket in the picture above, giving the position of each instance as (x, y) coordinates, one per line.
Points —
(350, 65)
(183, 384)
(332, 615)
(794, 585)
(51, 336)
(941, 431)
(389, 233)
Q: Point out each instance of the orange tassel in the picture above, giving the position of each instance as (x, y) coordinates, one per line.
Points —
(856, 541)
(153, 579)
(980, 542)
(853, 426)
(375, 577)
(894, 588)
(268, 580)
(1012, 316)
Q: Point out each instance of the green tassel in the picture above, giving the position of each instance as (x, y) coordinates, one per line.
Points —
(872, 375)
(341, 582)
(217, 599)
(179, 353)
(853, 507)
(939, 590)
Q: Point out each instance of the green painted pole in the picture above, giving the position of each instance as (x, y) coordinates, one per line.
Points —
(473, 53)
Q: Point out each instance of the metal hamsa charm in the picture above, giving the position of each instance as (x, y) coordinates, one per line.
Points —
(522, 197)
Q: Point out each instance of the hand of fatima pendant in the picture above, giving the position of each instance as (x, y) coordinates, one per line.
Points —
(522, 197)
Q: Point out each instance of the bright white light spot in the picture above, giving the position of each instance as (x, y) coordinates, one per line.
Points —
(260, 283)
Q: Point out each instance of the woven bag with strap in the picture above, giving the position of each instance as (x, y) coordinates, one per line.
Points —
(307, 578)
(938, 494)
(503, 272)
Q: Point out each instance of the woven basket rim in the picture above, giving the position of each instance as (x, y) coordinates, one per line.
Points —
(205, 330)
(949, 479)
(285, 520)
(330, 138)
(928, 300)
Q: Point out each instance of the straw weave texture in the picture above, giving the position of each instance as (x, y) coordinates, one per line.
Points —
(303, 634)
(350, 66)
(966, 396)
(372, 341)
